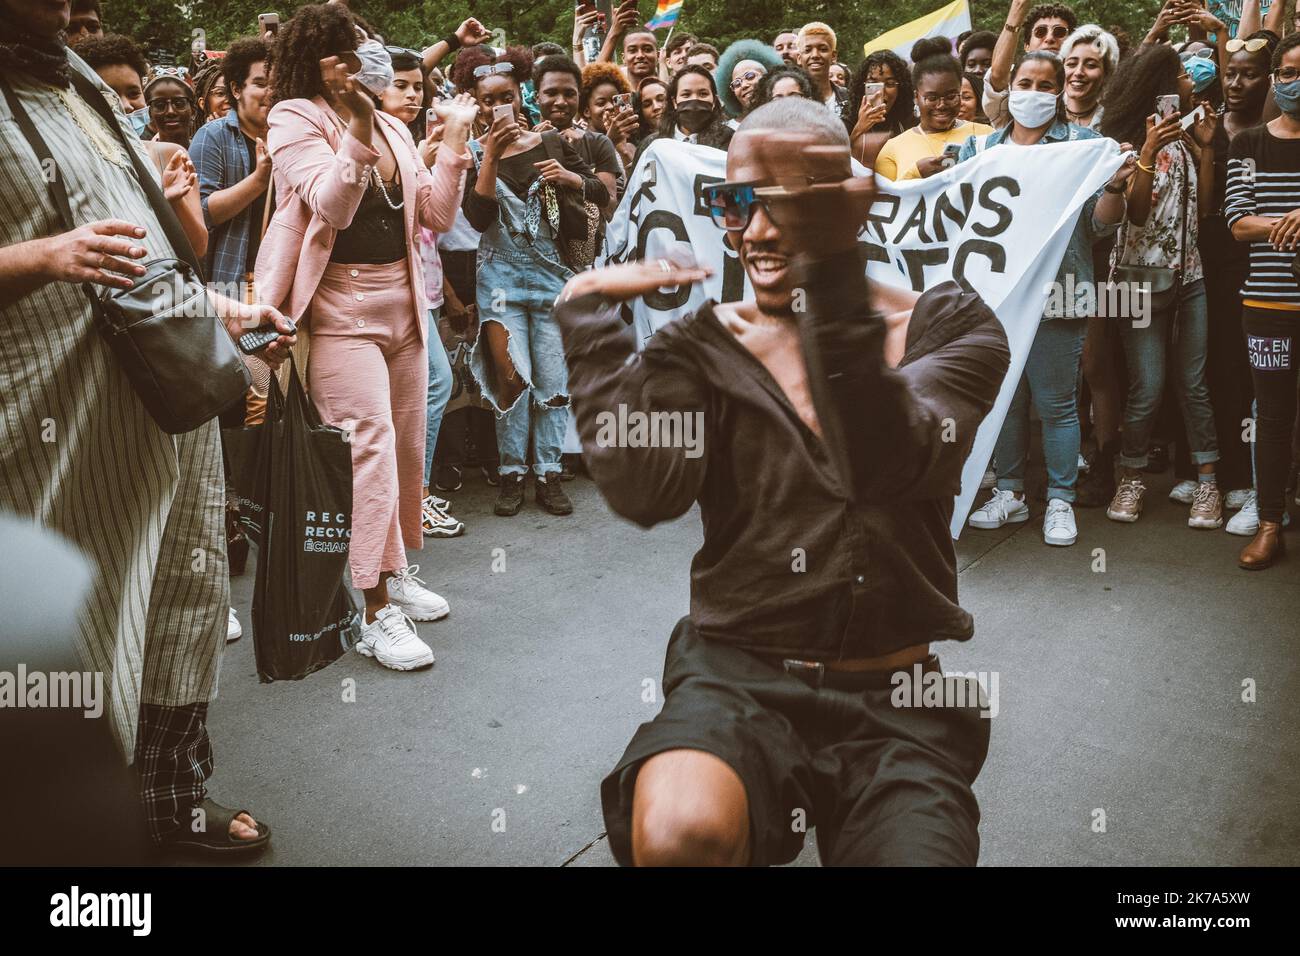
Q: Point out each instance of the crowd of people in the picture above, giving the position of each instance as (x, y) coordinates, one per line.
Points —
(417, 213)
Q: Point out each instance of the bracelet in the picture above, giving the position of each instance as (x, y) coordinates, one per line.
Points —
(1146, 169)
(452, 41)
(1010, 28)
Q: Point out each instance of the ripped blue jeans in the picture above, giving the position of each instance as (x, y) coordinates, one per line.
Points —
(518, 288)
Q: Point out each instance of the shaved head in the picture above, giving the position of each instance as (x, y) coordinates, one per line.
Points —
(796, 114)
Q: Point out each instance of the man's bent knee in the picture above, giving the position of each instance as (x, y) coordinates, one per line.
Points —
(689, 809)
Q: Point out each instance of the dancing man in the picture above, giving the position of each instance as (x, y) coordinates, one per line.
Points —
(836, 419)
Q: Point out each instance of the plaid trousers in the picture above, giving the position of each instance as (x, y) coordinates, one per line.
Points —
(173, 760)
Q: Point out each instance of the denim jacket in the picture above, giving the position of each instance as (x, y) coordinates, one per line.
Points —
(1077, 261)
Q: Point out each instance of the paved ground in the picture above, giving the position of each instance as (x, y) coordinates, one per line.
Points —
(1119, 691)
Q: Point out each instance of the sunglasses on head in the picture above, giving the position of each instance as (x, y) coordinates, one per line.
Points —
(492, 69)
(1236, 44)
(399, 50)
(1058, 32)
(1205, 54)
(179, 72)
(731, 205)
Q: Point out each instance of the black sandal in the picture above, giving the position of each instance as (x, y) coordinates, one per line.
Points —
(215, 836)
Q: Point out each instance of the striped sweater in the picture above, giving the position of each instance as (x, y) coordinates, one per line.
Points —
(1264, 180)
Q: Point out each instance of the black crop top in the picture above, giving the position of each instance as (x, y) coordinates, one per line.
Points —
(377, 235)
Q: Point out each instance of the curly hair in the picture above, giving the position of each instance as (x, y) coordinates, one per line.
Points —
(768, 83)
(601, 74)
(1046, 11)
(902, 114)
(1283, 48)
(756, 50)
(315, 31)
(1131, 94)
(110, 50)
(978, 40)
(239, 59)
(520, 59)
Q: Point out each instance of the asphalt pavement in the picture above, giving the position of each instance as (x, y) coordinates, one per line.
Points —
(1122, 735)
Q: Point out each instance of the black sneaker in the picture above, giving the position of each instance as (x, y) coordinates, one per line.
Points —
(511, 497)
(491, 475)
(568, 468)
(551, 496)
(448, 478)
(1096, 487)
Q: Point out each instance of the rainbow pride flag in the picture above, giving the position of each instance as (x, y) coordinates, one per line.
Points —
(666, 15)
(949, 21)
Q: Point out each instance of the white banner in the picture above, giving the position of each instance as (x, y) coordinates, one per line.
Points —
(999, 223)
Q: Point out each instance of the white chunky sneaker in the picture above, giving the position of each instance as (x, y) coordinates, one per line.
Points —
(1183, 492)
(1246, 521)
(408, 593)
(1237, 498)
(1002, 508)
(233, 628)
(436, 521)
(1058, 523)
(391, 639)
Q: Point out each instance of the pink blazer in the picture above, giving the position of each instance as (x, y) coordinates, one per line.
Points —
(320, 174)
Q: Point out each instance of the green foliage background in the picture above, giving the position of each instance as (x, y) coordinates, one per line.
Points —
(168, 24)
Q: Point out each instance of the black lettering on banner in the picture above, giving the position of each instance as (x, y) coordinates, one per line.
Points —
(878, 222)
(943, 206)
(874, 252)
(915, 220)
(993, 206)
(663, 219)
(992, 251)
(649, 179)
(701, 180)
(918, 259)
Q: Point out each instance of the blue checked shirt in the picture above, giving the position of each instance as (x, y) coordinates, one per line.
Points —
(219, 152)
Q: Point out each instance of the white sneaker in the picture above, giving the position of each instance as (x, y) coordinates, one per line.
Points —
(1058, 523)
(1002, 508)
(391, 639)
(1084, 467)
(233, 629)
(1246, 521)
(435, 520)
(408, 593)
(1183, 492)
(1235, 500)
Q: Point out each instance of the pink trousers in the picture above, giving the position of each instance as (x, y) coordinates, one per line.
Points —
(369, 375)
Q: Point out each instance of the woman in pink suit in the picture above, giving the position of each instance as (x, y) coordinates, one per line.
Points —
(341, 257)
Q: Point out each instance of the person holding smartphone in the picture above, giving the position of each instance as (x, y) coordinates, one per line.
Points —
(560, 97)
(821, 435)
(342, 256)
(1050, 379)
(512, 193)
(881, 103)
(1171, 192)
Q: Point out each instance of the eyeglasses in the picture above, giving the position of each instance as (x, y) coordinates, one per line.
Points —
(1288, 74)
(1237, 44)
(1058, 32)
(887, 84)
(162, 104)
(731, 205)
(934, 99)
(492, 69)
(749, 76)
(1205, 54)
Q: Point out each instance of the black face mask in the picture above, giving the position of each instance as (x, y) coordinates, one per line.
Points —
(694, 115)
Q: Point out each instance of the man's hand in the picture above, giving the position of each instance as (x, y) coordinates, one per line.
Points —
(1285, 232)
(625, 18)
(583, 17)
(179, 177)
(472, 33)
(553, 172)
(240, 319)
(631, 280)
(96, 252)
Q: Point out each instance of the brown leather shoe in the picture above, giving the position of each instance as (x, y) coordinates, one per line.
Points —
(1265, 548)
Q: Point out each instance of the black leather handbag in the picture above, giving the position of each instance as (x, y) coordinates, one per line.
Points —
(164, 331)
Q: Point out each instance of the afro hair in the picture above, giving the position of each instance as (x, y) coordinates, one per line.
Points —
(596, 74)
(755, 50)
(520, 59)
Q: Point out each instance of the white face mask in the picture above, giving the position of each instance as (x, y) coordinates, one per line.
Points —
(376, 73)
(1032, 109)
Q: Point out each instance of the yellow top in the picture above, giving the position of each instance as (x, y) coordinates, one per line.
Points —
(897, 158)
(1263, 304)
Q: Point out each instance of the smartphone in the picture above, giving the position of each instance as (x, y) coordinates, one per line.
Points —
(950, 154)
(872, 90)
(268, 23)
(622, 101)
(1167, 105)
(261, 337)
(505, 110)
(1187, 121)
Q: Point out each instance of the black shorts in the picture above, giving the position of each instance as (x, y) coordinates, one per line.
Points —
(885, 785)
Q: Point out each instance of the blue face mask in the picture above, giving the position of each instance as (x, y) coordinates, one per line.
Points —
(1202, 71)
(139, 120)
(1287, 97)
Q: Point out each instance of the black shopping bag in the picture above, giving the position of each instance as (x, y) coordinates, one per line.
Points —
(293, 477)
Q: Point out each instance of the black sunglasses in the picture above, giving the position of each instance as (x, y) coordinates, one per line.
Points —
(731, 205)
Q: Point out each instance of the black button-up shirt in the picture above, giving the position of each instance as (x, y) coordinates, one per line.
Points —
(826, 549)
